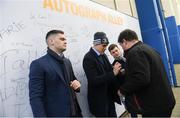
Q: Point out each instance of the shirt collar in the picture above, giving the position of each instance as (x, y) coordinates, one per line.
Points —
(98, 54)
(61, 55)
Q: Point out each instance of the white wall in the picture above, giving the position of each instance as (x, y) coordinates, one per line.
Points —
(24, 25)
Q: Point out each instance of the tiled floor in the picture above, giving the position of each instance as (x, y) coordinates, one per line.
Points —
(176, 90)
(176, 111)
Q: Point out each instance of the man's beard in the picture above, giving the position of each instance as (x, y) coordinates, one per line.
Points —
(63, 50)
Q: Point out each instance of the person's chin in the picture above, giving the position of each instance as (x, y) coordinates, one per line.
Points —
(64, 49)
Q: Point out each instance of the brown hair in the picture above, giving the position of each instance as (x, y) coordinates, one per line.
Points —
(112, 46)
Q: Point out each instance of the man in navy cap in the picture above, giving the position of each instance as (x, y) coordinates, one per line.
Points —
(101, 77)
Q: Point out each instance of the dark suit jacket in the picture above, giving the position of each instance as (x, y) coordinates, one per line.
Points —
(100, 83)
(146, 85)
(49, 90)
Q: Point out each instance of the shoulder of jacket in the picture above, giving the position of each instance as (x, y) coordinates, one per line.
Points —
(40, 59)
(88, 54)
(67, 59)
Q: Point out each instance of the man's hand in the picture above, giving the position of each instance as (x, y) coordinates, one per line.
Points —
(116, 68)
(75, 85)
(119, 93)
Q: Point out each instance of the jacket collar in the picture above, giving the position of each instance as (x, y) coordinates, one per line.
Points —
(95, 53)
(138, 43)
(55, 55)
(52, 55)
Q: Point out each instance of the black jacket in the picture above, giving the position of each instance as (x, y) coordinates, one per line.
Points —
(100, 83)
(146, 86)
(121, 76)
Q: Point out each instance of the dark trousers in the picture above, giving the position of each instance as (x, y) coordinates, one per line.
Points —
(112, 110)
(163, 114)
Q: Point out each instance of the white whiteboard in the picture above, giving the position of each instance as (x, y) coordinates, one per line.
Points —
(23, 26)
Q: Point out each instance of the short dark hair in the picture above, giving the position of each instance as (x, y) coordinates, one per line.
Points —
(128, 35)
(52, 32)
(111, 47)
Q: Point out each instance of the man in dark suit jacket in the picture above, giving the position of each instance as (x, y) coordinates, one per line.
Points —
(146, 87)
(52, 83)
(118, 57)
(101, 77)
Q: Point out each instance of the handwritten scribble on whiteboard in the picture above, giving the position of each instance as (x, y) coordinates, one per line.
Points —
(14, 66)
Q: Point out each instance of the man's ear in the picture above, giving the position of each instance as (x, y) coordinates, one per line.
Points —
(50, 41)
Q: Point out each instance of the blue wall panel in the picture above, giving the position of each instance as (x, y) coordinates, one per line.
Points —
(178, 28)
(151, 30)
(179, 31)
(174, 38)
